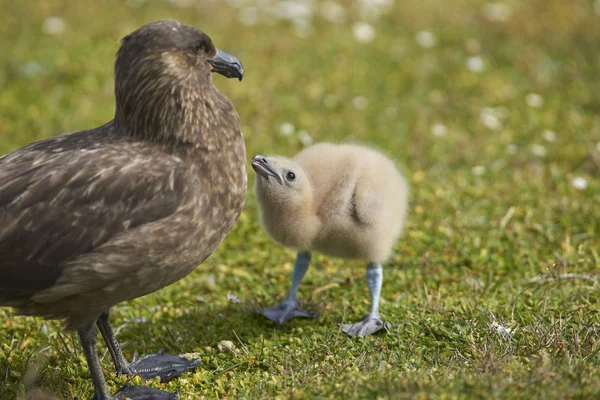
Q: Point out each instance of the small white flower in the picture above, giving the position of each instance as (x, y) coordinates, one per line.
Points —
(598, 144)
(292, 10)
(549, 135)
(475, 64)
(438, 130)
(287, 129)
(496, 11)
(426, 39)
(489, 119)
(305, 138)
(333, 12)
(54, 26)
(372, 9)
(478, 170)
(506, 333)
(226, 345)
(249, 16)
(363, 32)
(579, 183)
(534, 100)
(538, 150)
(360, 102)
(210, 280)
(232, 298)
(512, 148)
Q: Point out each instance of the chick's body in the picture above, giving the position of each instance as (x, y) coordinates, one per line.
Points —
(343, 200)
(359, 200)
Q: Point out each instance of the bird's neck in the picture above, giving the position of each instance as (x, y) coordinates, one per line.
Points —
(291, 224)
(179, 114)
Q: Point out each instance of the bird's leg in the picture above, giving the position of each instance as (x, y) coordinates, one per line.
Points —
(165, 366)
(374, 281)
(290, 308)
(88, 337)
(372, 322)
(121, 364)
(300, 267)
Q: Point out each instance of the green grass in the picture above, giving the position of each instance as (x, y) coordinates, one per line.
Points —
(487, 215)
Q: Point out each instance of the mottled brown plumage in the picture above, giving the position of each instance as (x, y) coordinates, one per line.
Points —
(96, 217)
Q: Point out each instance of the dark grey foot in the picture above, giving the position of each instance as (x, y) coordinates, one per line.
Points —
(286, 311)
(365, 327)
(143, 393)
(161, 364)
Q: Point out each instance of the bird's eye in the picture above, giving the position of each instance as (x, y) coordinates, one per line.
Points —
(290, 176)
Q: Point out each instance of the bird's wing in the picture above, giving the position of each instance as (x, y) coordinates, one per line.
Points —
(57, 203)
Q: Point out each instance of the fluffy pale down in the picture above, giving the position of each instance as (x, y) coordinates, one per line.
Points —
(343, 200)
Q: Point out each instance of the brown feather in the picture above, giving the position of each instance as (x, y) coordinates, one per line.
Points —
(96, 217)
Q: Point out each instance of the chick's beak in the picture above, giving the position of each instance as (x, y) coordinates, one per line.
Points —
(263, 167)
(227, 65)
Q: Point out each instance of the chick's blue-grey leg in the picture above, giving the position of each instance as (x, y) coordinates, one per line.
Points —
(372, 322)
(290, 308)
(160, 364)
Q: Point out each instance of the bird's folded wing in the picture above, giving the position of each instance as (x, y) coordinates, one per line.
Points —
(56, 204)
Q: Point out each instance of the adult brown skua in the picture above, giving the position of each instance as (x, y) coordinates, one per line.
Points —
(346, 201)
(96, 217)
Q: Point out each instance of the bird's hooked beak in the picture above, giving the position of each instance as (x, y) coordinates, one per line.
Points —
(263, 167)
(227, 65)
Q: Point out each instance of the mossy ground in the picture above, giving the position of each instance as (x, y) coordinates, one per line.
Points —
(492, 111)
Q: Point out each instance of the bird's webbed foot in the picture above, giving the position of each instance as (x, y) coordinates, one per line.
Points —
(286, 311)
(161, 364)
(143, 393)
(367, 326)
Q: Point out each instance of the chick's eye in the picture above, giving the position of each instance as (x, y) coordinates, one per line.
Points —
(290, 176)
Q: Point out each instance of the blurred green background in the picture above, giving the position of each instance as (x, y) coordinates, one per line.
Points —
(490, 108)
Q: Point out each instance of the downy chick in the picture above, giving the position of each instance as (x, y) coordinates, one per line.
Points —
(343, 200)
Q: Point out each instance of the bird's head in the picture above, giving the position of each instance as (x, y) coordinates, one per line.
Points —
(167, 47)
(164, 64)
(281, 181)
